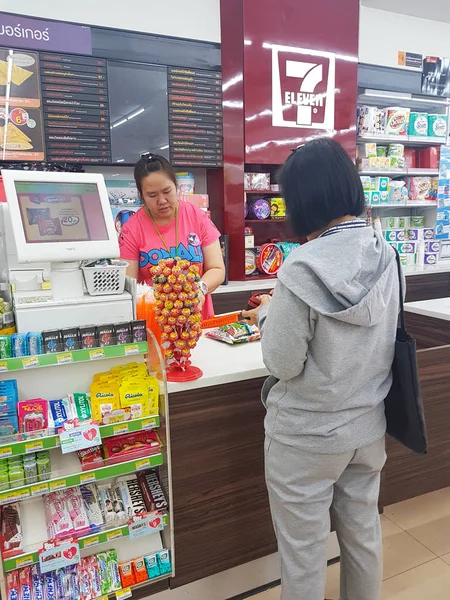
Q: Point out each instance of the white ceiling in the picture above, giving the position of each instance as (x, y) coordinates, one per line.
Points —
(436, 10)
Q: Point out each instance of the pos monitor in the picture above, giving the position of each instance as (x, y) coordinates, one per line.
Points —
(60, 217)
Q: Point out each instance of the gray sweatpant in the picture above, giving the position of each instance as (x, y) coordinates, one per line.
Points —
(303, 487)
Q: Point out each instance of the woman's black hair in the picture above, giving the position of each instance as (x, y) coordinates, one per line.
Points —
(320, 183)
(152, 163)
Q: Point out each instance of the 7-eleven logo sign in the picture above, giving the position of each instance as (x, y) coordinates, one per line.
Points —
(303, 88)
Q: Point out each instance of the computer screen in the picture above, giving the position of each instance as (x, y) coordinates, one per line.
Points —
(60, 212)
(59, 217)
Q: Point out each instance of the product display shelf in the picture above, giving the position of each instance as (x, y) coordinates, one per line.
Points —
(265, 220)
(402, 173)
(16, 447)
(407, 140)
(66, 472)
(411, 205)
(35, 534)
(263, 192)
(74, 356)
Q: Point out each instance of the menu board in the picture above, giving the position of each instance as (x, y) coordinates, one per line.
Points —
(76, 110)
(21, 137)
(195, 117)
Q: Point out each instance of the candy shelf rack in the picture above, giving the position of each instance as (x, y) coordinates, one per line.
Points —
(75, 373)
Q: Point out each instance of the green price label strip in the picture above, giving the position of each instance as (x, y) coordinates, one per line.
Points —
(88, 541)
(76, 356)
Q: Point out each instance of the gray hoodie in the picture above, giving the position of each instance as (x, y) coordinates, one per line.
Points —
(328, 342)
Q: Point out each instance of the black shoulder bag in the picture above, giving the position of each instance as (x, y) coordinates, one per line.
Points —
(403, 404)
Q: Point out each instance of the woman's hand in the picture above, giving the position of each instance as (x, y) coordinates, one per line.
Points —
(201, 297)
(252, 315)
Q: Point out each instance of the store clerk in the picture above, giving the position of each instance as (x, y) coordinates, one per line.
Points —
(165, 228)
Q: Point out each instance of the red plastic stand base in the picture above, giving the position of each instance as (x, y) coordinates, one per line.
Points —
(178, 375)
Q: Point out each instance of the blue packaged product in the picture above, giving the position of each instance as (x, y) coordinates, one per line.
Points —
(60, 583)
(34, 343)
(58, 412)
(19, 345)
(164, 562)
(8, 407)
(51, 592)
(37, 583)
(152, 566)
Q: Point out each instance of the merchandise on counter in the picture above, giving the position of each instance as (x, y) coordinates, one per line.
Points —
(11, 531)
(277, 208)
(185, 183)
(437, 125)
(152, 491)
(236, 333)
(259, 209)
(269, 259)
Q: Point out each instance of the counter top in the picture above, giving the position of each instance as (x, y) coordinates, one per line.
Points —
(269, 283)
(223, 363)
(438, 308)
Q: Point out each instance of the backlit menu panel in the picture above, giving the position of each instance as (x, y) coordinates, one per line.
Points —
(76, 111)
(195, 117)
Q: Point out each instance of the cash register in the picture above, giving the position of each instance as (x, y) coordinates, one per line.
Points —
(50, 223)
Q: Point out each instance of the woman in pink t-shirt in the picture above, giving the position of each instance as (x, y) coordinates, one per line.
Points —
(165, 228)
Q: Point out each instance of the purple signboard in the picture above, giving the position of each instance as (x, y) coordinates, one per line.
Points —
(17, 31)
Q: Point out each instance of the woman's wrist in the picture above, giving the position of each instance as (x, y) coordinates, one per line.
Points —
(203, 287)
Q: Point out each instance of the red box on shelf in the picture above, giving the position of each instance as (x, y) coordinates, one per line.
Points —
(199, 200)
(429, 157)
(410, 158)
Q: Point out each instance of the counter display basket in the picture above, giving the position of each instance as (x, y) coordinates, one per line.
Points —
(91, 517)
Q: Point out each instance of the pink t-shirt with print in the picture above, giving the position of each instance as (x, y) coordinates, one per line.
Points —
(140, 241)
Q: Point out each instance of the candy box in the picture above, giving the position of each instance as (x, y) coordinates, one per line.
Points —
(138, 331)
(51, 341)
(69, 338)
(131, 494)
(151, 563)
(106, 335)
(418, 124)
(11, 531)
(269, 259)
(130, 446)
(88, 337)
(437, 125)
(397, 120)
(277, 208)
(122, 333)
(32, 415)
(164, 562)
(140, 570)
(19, 344)
(152, 491)
(127, 575)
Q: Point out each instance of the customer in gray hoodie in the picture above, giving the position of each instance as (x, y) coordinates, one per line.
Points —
(328, 337)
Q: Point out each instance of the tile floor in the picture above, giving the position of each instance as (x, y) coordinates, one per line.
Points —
(416, 536)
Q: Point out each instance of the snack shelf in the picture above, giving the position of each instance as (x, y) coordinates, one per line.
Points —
(430, 204)
(402, 173)
(30, 511)
(36, 444)
(265, 220)
(71, 463)
(75, 356)
(407, 140)
(262, 192)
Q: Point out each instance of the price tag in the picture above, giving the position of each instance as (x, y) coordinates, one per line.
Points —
(92, 541)
(3, 366)
(114, 535)
(87, 478)
(5, 452)
(84, 436)
(61, 556)
(149, 423)
(30, 362)
(38, 489)
(96, 353)
(23, 561)
(64, 359)
(14, 496)
(119, 429)
(133, 349)
(146, 526)
(57, 485)
(123, 594)
(34, 446)
(142, 464)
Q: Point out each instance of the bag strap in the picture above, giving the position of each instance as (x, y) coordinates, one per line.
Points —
(400, 287)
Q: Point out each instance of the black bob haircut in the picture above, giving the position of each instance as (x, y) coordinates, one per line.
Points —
(320, 183)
